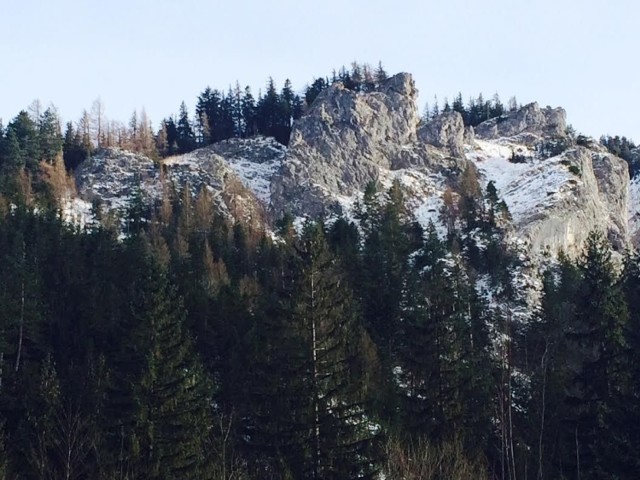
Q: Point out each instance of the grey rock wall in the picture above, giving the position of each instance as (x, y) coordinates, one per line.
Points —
(528, 119)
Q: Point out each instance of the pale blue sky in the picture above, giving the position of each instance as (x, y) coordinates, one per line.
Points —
(582, 55)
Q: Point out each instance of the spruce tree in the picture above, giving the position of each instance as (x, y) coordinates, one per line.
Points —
(341, 440)
(185, 135)
(631, 421)
(316, 422)
(599, 382)
(159, 404)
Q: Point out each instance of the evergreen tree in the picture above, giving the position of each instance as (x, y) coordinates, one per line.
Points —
(341, 435)
(445, 372)
(73, 153)
(631, 286)
(50, 136)
(172, 136)
(185, 137)
(248, 109)
(159, 405)
(315, 424)
(550, 372)
(23, 143)
(380, 74)
(599, 382)
(312, 91)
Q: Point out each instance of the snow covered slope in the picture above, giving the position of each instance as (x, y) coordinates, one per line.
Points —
(239, 184)
(555, 202)
(255, 161)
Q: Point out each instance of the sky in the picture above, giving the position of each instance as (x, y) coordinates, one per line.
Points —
(578, 54)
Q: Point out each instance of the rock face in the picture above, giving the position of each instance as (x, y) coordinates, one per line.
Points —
(446, 131)
(114, 177)
(342, 142)
(556, 202)
(597, 199)
(348, 139)
(557, 192)
(529, 119)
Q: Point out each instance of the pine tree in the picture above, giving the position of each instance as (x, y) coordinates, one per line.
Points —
(598, 385)
(309, 408)
(631, 286)
(444, 375)
(159, 404)
(312, 91)
(422, 343)
(50, 136)
(249, 114)
(552, 356)
(73, 152)
(389, 239)
(341, 439)
(185, 137)
(23, 142)
(380, 74)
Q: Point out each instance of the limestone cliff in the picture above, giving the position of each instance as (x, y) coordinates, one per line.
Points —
(446, 131)
(348, 138)
(555, 202)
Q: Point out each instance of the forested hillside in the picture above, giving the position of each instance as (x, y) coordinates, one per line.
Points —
(200, 349)
(414, 334)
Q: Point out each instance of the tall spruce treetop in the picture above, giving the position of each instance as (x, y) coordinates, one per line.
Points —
(600, 380)
(158, 388)
(341, 439)
(186, 136)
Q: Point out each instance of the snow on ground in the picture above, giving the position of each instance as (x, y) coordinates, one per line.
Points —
(78, 212)
(526, 187)
(423, 192)
(428, 212)
(424, 195)
(255, 161)
(256, 176)
(115, 176)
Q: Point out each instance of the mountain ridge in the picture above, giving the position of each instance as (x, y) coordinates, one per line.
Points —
(349, 139)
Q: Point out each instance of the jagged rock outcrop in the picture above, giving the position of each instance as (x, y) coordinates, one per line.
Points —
(345, 140)
(530, 119)
(446, 131)
(596, 198)
(114, 177)
(556, 202)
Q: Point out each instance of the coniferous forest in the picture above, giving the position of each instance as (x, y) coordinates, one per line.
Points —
(200, 348)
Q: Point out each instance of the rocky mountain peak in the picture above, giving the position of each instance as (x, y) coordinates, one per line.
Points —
(556, 188)
(401, 84)
(530, 119)
(344, 141)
